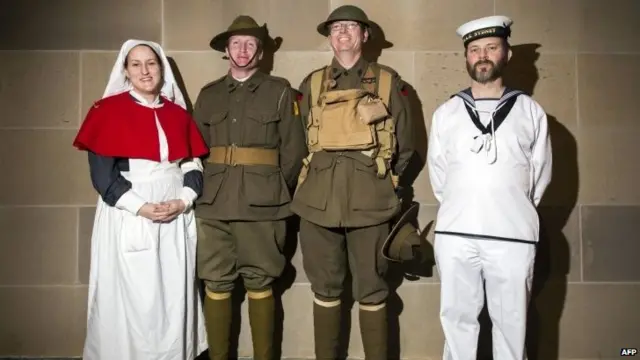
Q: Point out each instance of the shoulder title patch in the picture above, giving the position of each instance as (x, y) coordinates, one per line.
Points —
(296, 109)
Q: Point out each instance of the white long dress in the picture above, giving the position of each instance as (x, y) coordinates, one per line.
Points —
(143, 299)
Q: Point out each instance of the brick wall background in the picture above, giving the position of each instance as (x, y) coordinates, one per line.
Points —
(579, 58)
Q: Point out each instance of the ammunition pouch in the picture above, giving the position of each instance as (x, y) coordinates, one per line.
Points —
(372, 110)
(335, 124)
(352, 120)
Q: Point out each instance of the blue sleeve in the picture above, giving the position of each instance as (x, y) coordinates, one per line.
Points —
(194, 180)
(106, 177)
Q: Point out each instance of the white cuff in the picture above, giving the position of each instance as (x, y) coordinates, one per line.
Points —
(193, 164)
(131, 202)
(188, 196)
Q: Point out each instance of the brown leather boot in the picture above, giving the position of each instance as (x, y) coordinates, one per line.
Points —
(217, 315)
(373, 329)
(326, 327)
(261, 318)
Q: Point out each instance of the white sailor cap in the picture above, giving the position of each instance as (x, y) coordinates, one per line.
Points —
(490, 26)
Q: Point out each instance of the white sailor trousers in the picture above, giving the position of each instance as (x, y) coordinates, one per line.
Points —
(506, 268)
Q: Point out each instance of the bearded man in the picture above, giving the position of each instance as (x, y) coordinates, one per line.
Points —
(489, 164)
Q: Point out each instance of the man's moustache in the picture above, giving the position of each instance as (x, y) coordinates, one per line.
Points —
(482, 62)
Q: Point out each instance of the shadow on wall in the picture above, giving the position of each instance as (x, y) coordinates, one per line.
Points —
(553, 254)
(272, 46)
(180, 83)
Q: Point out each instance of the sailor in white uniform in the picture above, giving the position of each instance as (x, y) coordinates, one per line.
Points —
(489, 163)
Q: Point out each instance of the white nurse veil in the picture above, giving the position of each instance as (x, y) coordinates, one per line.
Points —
(118, 81)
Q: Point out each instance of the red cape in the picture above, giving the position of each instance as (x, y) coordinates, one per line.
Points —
(117, 126)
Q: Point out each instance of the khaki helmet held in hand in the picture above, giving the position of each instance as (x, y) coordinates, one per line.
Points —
(401, 244)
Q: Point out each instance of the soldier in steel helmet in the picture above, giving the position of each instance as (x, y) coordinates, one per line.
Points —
(359, 138)
(251, 123)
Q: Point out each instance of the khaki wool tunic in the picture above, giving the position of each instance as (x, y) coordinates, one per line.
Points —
(257, 113)
(342, 188)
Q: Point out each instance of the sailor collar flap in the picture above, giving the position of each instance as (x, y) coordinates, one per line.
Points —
(504, 106)
(487, 138)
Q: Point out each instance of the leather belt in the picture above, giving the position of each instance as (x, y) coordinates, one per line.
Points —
(233, 155)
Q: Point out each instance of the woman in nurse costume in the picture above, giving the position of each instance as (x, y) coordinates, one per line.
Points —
(144, 150)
